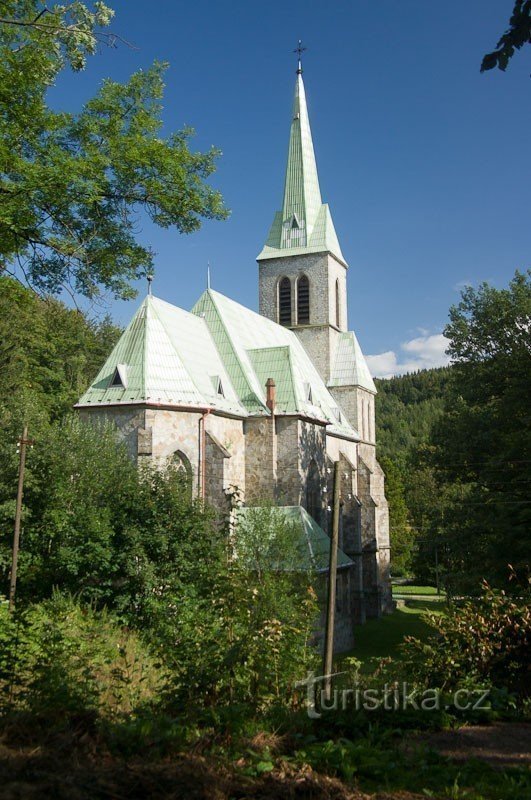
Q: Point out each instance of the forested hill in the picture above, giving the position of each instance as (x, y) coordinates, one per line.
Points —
(48, 355)
(406, 408)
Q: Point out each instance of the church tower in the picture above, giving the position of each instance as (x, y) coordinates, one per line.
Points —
(302, 271)
(303, 286)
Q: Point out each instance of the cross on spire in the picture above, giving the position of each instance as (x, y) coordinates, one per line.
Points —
(299, 50)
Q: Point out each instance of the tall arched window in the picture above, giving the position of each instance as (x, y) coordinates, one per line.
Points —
(338, 319)
(313, 492)
(181, 464)
(303, 301)
(284, 301)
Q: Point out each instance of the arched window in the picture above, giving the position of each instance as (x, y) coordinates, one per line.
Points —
(182, 466)
(303, 301)
(338, 316)
(284, 302)
(313, 492)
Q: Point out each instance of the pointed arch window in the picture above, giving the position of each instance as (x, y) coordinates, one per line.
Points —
(313, 492)
(338, 314)
(303, 301)
(182, 466)
(284, 301)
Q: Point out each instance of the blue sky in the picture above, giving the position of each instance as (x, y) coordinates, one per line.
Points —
(423, 160)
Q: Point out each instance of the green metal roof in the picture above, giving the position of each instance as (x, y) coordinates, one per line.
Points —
(167, 356)
(304, 224)
(350, 367)
(237, 331)
(313, 546)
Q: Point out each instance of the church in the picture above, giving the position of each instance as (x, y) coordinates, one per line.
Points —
(256, 407)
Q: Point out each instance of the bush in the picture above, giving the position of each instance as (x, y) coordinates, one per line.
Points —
(60, 658)
(242, 638)
(485, 640)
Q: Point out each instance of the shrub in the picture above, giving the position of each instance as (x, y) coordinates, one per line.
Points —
(485, 640)
(242, 637)
(61, 658)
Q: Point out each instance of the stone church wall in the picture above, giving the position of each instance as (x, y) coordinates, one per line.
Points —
(229, 432)
(260, 460)
(128, 419)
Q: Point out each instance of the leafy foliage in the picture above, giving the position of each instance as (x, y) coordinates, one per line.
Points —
(402, 534)
(482, 445)
(72, 184)
(48, 352)
(407, 408)
(59, 659)
(247, 640)
(517, 34)
(486, 641)
(230, 629)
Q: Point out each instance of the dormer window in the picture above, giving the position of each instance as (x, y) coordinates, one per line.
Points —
(119, 378)
(218, 386)
(337, 414)
(308, 393)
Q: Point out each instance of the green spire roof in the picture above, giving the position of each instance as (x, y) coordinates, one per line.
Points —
(304, 225)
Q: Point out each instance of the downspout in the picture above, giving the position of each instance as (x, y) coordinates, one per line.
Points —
(271, 401)
(202, 453)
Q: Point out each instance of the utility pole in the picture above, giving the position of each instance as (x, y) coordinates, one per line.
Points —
(23, 442)
(332, 577)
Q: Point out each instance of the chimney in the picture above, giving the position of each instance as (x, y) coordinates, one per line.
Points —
(271, 391)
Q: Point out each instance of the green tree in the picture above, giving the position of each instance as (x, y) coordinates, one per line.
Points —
(246, 636)
(517, 34)
(408, 406)
(483, 442)
(47, 352)
(71, 185)
(402, 534)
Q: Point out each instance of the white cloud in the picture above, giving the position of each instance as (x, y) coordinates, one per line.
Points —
(423, 352)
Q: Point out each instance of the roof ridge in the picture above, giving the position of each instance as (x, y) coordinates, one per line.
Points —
(210, 294)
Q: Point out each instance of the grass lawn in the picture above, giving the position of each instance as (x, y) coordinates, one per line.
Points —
(422, 590)
(379, 638)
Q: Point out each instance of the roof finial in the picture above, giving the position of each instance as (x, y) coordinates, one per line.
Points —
(299, 50)
(208, 274)
(149, 277)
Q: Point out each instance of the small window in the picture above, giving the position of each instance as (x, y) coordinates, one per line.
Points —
(119, 377)
(308, 393)
(295, 222)
(303, 301)
(217, 384)
(338, 314)
(284, 302)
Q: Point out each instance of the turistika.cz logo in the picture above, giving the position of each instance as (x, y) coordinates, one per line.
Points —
(389, 697)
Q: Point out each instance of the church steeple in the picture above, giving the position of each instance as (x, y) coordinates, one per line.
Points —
(304, 224)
